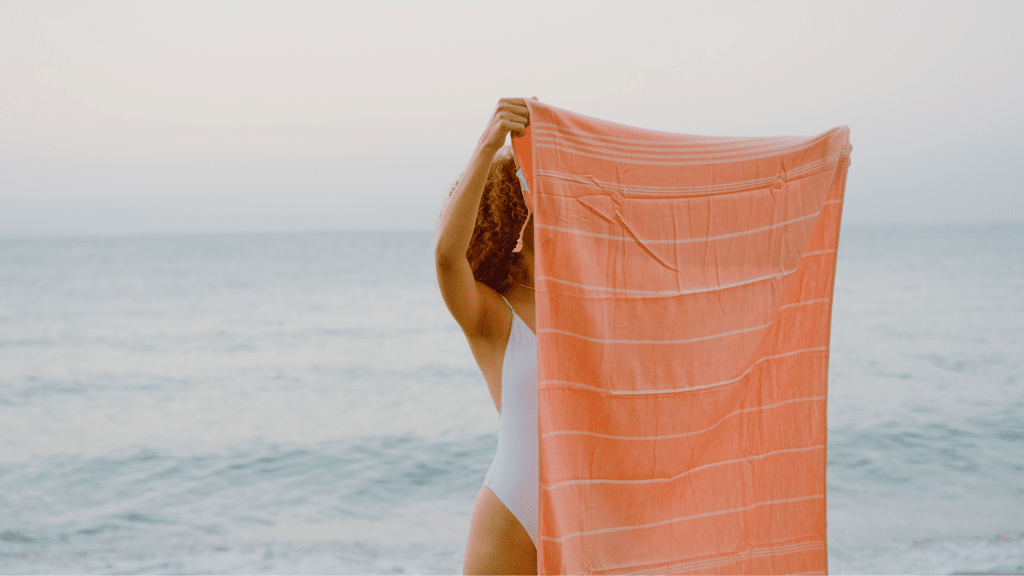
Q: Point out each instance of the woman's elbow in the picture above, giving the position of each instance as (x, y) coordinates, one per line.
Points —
(447, 252)
(446, 258)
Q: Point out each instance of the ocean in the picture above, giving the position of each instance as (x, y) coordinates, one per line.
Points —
(304, 403)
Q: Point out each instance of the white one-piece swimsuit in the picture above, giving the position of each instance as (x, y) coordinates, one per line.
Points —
(513, 475)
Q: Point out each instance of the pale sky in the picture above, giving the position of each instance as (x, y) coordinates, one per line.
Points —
(179, 117)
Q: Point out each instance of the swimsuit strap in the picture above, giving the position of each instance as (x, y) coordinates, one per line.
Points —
(512, 328)
(506, 302)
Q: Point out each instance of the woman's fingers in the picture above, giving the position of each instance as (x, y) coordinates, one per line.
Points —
(512, 102)
(514, 115)
(514, 118)
(516, 109)
(516, 106)
(516, 128)
(510, 116)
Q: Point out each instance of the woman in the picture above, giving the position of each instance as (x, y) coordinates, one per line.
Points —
(489, 290)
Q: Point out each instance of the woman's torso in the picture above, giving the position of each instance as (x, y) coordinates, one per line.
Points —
(490, 355)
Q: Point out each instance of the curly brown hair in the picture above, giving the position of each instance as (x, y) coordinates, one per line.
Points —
(499, 219)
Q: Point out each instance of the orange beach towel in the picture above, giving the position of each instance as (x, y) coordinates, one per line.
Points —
(684, 299)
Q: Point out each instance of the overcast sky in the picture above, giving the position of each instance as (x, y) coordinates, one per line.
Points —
(157, 117)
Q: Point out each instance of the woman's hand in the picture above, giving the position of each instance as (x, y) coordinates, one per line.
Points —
(511, 115)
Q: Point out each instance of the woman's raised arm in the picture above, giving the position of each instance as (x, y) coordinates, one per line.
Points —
(465, 298)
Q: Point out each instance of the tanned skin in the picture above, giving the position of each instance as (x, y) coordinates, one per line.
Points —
(498, 543)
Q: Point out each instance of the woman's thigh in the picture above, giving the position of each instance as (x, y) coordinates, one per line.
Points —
(498, 543)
